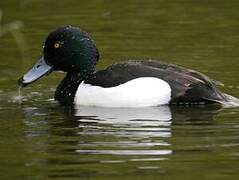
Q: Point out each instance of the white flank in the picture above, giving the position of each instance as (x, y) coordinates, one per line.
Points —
(140, 92)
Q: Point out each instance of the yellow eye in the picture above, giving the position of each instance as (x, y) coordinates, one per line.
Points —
(57, 45)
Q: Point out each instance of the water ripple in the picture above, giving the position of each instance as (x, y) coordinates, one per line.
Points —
(126, 152)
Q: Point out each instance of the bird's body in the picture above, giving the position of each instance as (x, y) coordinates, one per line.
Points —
(111, 86)
(125, 84)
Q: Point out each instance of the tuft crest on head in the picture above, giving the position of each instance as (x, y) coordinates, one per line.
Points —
(67, 49)
(70, 49)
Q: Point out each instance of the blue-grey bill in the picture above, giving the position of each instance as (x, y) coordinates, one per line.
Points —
(38, 70)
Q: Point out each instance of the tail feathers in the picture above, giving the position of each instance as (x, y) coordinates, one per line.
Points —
(230, 101)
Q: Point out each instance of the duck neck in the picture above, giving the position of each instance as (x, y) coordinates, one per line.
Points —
(66, 90)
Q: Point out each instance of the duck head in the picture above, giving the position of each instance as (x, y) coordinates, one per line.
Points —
(67, 49)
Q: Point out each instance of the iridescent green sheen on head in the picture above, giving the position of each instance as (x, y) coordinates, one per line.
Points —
(67, 49)
(70, 49)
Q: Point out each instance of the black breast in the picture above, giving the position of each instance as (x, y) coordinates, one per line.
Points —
(65, 92)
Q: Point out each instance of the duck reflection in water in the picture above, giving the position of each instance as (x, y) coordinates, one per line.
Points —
(94, 135)
(151, 116)
(145, 116)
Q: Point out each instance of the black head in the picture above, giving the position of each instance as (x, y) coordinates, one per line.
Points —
(67, 49)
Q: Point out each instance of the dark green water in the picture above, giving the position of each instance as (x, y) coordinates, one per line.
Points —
(41, 140)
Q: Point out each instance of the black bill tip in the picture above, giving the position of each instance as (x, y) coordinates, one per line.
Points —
(21, 83)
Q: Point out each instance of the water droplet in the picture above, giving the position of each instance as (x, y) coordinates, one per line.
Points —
(19, 98)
